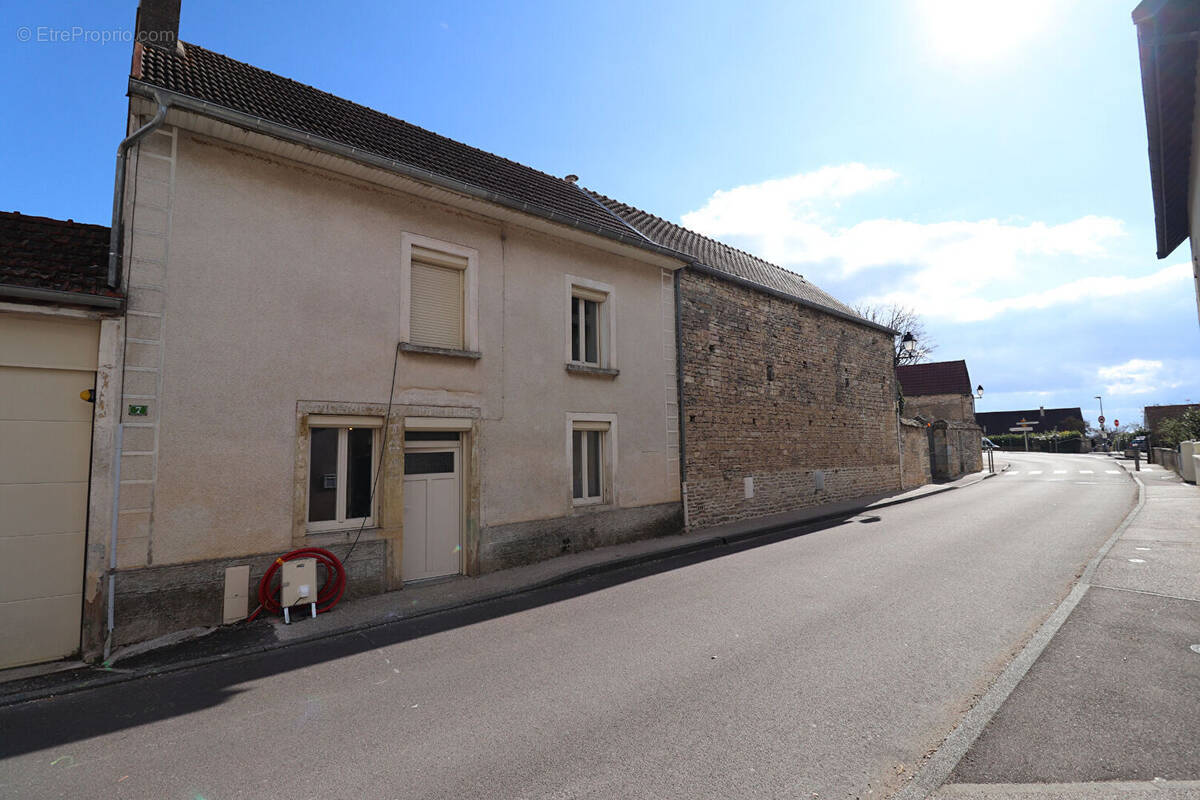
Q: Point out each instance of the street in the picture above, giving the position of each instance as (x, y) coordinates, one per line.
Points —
(824, 665)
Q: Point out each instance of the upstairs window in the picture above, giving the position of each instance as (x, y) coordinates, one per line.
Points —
(590, 329)
(437, 299)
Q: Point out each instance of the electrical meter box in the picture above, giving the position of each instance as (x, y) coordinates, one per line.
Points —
(299, 586)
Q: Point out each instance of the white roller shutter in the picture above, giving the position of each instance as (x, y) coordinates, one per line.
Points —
(437, 303)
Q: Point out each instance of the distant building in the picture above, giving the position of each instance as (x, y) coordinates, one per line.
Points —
(1156, 415)
(937, 390)
(1167, 32)
(1047, 419)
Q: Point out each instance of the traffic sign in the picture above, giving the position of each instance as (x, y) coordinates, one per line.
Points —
(1116, 423)
(1020, 428)
(1101, 419)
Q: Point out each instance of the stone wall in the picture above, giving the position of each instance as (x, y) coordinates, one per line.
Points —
(957, 449)
(954, 407)
(786, 406)
(914, 441)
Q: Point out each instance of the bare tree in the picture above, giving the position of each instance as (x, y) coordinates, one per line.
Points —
(905, 320)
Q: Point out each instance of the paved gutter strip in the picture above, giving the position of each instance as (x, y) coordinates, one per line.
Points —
(113, 675)
(938, 767)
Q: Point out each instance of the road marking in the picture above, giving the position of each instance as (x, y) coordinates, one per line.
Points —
(1060, 472)
(1141, 548)
(1013, 472)
(1137, 561)
(1086, 471)
(1035, 472)
(1085, 483)
(1113, 471)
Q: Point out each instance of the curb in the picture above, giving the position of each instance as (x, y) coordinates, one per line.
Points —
(114, 676)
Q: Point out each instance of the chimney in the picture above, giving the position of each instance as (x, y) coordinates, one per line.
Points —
(158, 23)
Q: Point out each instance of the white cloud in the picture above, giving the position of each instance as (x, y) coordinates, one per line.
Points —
(964, 270)
(1136, 376)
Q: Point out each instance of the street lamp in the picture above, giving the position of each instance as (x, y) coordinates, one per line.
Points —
(979, 391)
(1101, 399)
(908, 342)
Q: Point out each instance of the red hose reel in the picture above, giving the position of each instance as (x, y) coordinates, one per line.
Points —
(331, 590)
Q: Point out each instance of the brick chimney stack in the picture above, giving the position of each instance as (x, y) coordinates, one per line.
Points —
(158, 23)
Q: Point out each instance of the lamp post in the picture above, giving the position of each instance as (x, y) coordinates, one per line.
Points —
(908, 346)
(1103, 436)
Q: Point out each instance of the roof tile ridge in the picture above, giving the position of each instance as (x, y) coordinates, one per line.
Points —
(711, 240)
(363, 107)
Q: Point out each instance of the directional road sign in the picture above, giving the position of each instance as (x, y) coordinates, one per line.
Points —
(1020, 428)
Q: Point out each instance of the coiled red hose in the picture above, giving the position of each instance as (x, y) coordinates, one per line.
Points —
(331, 590)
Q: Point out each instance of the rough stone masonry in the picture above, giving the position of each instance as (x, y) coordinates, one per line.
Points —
(800, 401)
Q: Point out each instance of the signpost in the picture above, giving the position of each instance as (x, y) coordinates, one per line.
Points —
(1024, 427)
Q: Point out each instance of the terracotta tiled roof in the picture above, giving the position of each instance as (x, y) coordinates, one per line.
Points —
(237, 86)
(44, 253)
(723, 257)
(936, 377)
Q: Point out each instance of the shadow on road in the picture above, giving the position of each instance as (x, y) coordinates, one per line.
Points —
(160, 692)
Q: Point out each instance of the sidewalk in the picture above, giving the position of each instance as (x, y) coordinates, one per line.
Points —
(197, 647)
(1111, 705)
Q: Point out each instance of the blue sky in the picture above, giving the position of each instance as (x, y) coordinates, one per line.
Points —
(985, 167)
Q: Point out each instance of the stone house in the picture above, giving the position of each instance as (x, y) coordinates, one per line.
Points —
(937, 390)
(60, 333)
(939, 394)
(787, 395)
(323, 326)
(349, 332)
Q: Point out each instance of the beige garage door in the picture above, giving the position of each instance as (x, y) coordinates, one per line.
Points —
(45, 449)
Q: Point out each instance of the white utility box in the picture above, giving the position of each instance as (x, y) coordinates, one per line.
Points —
(1187, 464)
(299, 586)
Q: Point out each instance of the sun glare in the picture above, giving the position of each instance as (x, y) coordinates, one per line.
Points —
(980, 30)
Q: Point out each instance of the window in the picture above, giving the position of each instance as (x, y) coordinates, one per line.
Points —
(341, 469)
(590, 327)
(591, 459)
(438, 284)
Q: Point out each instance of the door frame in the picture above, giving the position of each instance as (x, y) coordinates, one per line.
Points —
(460, 448)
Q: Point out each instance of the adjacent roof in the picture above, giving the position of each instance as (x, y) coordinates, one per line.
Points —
(934, 377)
(1167, 44)
(218, 80)
(62, 256)
(222, 81)
(1153, 416)
(726, 259)
(1047, 419)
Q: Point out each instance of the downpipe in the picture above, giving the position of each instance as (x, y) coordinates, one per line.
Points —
(114, 235)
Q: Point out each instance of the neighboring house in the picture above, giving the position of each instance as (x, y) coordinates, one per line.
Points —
(939, 394)
(937, 390)
(60, 334)
(1043, 419)
(788, 394)
(1154, 416)
(285, 251)
(1168, 35)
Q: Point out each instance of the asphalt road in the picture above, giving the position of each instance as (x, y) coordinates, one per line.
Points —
(823, 665)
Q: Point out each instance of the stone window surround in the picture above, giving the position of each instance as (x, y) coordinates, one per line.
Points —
(389, 499)
(470, 293)
(593, 421)
(605, 295)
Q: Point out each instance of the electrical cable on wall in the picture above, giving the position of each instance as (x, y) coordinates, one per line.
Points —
(335, 572)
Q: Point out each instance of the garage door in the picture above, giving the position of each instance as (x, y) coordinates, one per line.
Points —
(45, 450)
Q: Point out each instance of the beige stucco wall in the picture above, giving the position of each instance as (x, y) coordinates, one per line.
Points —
(280, 285)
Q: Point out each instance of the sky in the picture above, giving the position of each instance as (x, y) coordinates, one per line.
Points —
(981, 162)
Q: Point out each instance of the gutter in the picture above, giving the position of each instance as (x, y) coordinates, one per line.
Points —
(250, 122)
(57, 296)
(791, 298)
(114, 236)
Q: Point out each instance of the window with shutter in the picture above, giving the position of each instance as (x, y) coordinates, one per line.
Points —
(437, 302)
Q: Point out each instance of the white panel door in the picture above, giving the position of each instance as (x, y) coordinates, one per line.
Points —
(432, 514)
(45, 451)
